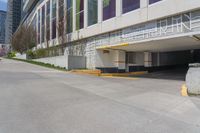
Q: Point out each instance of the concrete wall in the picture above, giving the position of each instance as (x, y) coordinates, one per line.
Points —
(61, 61)
(20, 56)
(76, 62)
(105, 59)
(68, 62)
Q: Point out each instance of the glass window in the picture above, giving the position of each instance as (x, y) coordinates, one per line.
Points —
(109, 9)
(43, 24)
(48, 21)
(61, 10)
(61, 18)
(38, 29)
(92, 12)
(130, 5)
(69, 22)
(79, 14)
(153, 1)
(53, 19)
(54, 29)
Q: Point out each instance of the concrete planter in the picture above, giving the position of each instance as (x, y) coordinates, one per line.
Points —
(193, 79)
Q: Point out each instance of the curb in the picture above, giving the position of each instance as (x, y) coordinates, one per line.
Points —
(98, 73)
(124, 74)
(184, 90)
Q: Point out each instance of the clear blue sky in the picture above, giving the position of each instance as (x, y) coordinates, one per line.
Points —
(3, 4)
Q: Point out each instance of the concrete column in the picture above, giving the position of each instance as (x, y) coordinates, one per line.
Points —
(100, 11)
(45, 25)
(147, 59)
(121, 59)
(118, 8)
(57, 21)
(50, 22)
(85, 13)
(144, 3)
(74, 15)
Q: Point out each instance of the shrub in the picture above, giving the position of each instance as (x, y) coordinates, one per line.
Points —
(41, 53)
(30, 54)
(11, 54)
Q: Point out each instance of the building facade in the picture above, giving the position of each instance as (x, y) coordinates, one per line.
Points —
(13, 18)
(121, 35)
(2, 26)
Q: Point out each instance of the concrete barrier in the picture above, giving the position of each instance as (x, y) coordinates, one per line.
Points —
(61, 61)
(193, 79)
(21, 56)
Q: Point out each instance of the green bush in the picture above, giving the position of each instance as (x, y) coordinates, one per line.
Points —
(11, 54)
(30, 54)
(41, 53)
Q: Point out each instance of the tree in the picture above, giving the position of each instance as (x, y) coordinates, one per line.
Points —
(24, 39)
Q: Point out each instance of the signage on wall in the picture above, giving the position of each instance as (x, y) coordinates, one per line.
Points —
(184, 23)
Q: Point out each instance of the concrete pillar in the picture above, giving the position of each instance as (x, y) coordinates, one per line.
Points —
(100, 11)
(121, 59)
(118, 8)
(147, 59)
(50, 22)
(143, 3)
(57, 20)
(85, 13)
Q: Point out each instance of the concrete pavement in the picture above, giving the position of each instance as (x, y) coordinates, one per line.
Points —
(35, 99)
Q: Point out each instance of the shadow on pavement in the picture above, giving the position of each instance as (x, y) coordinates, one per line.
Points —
(172, 74)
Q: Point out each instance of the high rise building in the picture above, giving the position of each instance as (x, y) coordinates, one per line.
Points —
(2, 26)
(13, 18)
(121, 35)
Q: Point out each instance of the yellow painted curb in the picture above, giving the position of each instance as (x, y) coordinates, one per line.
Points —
(89, 72)
(117, 77)
(184, 90)
(98, 73)
(124, 74)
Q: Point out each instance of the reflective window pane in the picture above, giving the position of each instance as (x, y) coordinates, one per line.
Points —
(43, 25)
(153, 1)
(53, 19)
(38, 28)
(48, 21)
(69, 18)
(130, 5)
(79, 14)
(54, 29)
(92, 12)
(109, 9)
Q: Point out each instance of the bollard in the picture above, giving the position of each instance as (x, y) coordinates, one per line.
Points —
(193, 79)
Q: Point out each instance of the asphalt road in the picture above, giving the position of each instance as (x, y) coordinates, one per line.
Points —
(34, 99)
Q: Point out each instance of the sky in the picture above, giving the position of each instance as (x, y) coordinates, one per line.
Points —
(3, 4)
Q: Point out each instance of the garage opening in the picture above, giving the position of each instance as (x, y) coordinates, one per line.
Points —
(167, 65)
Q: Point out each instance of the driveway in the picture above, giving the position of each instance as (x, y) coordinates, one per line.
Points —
(34, 99)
